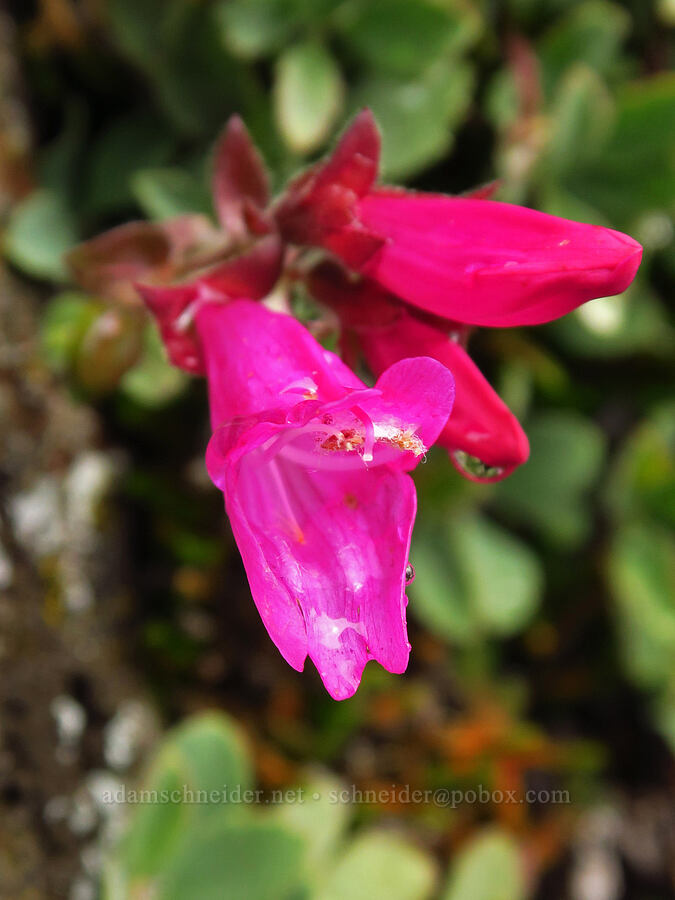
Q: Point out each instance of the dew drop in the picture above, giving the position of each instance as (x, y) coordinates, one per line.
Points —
(474, 467)
(409, 574)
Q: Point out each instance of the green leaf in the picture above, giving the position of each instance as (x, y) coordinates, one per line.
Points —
(642, 482)
(135, 26)
(40, 230)
(582, 115)
(641, 572)
(502, 576)
(215, 754)
(64, 323)
(636, 171)
(502, 104)
(647, 660)
(318, 819)
(308, 96)
(131, 143)
(200, 766)
(165, 193)
(416, 117)
(60, 161)
(534, 11)
(157, 825)
(489, 868)
(92, 340)
(201, 83)
(591, 33)
(549, 491)
(154, 382)
(631, 322)
(400, 37)
(178, 47)
(474, 579)
(380, 866)
(437, 596)
(223, 861)
(253, 28)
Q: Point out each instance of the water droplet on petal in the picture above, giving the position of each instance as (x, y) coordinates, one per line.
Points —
(409, 574)
(474, 467)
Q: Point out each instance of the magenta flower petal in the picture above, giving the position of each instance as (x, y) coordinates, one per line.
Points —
(325, 552)
(272, 356)
(312, 465)
(481, 425)
(488, 263)
(414, 384)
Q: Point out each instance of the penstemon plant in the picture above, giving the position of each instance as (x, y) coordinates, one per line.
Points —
(312, 461)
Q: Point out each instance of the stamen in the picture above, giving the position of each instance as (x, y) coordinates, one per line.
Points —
(305, 386)
(347, 439)
(279, 441)
(292, 522)
(369, 437)
(347, 402)
(346, 428)
(187, 317)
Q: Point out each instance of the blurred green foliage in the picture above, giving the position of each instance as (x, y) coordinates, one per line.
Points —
(228, 839)
(571, 104)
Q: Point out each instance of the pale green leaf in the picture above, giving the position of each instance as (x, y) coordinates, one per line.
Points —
(308, 96)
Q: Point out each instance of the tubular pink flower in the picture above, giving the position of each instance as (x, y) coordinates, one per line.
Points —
(313, 465)
(481, 425)
(469, 260)
(488, 263)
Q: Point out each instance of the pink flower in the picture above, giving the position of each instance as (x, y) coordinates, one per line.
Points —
(385, 330)
(313, 465)
(469, 260)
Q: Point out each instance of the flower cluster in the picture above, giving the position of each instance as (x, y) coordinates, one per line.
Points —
(313, 463)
